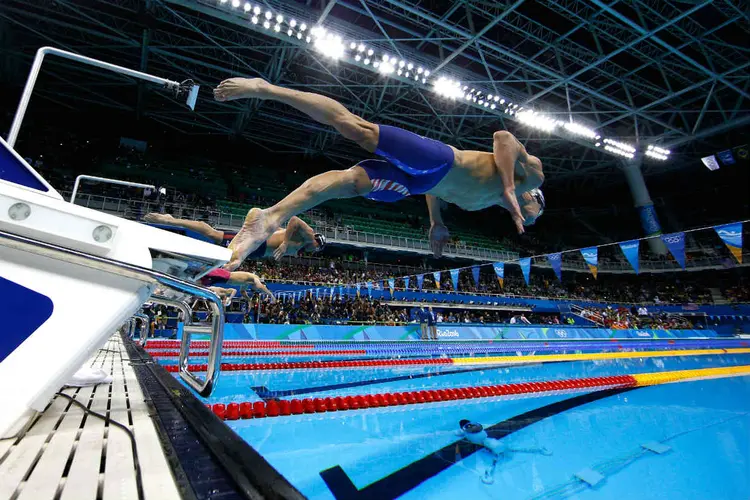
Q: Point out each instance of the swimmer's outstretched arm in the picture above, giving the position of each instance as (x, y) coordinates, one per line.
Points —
(194, 225)
(297, 231)
(438, 232)
(251, 280)
(226, 294)
(506, 150)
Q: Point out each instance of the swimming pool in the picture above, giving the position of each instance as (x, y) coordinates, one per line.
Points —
(565, 419)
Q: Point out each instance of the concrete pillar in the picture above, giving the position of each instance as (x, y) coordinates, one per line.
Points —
(644, 206)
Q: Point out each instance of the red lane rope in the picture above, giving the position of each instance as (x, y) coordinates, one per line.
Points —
(174, 354)
(233, 344)
(315, 364)
(274, 408)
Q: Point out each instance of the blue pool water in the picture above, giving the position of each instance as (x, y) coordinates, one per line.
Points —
(675, 441)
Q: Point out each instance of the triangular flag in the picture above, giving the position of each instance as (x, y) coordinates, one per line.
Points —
(630, 250)
(676, 244)
(525, 264)
(369, 288)
(454, 278)
(406, 282)
(499, 268)
(731, 235)
(555, 260)
(420, 281)
(475, 273)
(591, 256)
(392, 284)
(436, 275)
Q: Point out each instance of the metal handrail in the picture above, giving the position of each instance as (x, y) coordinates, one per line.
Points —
(214, 350)
(144, 326)
(70, 256)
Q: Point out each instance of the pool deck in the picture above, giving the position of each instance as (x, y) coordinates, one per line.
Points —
(69, 455)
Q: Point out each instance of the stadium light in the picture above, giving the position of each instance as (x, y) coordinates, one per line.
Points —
(657, 153)
(303, 27)
(330, 46)
(447, 88)
(266, 24)
(370, 52)
(254, 20)
(247, 7)
(619, 151)
(279, 19)
(269, 15)
(277, 28)
(386, 68)
(256, 10)
(235, 3)
(578, 129)
(535, 120)
(620, 145)
(293, 23)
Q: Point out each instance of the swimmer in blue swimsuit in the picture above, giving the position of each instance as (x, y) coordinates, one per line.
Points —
(508, 176)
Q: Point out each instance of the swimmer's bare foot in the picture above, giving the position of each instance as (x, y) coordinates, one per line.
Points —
(241, 88)
(256, 229)
(158, 218)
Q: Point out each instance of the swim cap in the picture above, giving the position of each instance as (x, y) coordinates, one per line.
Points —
(320, 240)
(538, 196)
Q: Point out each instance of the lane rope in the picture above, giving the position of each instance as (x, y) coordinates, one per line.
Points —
(285, 407)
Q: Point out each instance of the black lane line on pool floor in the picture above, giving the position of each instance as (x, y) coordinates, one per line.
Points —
(414, 474)
(266, 394)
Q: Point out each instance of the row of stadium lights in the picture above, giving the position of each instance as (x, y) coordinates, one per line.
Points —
(333, 47)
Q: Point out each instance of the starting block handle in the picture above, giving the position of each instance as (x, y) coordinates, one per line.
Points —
(203, 387)
(67, 255)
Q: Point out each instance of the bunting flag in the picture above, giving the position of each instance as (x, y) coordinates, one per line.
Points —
(676, 244)
(358, 286)
(436, 275)
(369, 288)
(317, 293)
(420, 280)
(525, 264)
(406, 282)
(475, 273)
(499, 268)
(331, 292)
(341, 291)
(392, 284)
(555, 260)
(591, 256)
(731, 235)
(630, 251)
(454, 278)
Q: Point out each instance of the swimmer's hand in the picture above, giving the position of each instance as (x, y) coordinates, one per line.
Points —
(280, 251)
(438, 238)
(511, 203)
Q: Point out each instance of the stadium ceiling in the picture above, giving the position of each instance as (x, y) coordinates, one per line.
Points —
(670, 73)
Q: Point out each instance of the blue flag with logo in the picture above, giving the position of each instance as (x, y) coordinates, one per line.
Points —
(525, 264)
(630, 251)
(499, 268)
(392, 284)
(420, 280)
(454, 278)
(436, 275)
(591, 256)
(406, 282)
(475, 273)
(676, 244)
(369, 287)
(555, 260)
(731, 235)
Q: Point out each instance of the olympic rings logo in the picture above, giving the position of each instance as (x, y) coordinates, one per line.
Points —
(672, 239)
(554, 256)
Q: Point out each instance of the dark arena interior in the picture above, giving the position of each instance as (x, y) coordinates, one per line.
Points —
(374, 249)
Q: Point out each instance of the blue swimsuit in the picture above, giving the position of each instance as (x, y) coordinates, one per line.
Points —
(413, 164)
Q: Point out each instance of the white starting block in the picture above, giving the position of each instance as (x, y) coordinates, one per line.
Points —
(70, 276)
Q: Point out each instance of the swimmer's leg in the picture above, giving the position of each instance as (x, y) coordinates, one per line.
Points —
(259, 224)
(194, 225)
(320, 108)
